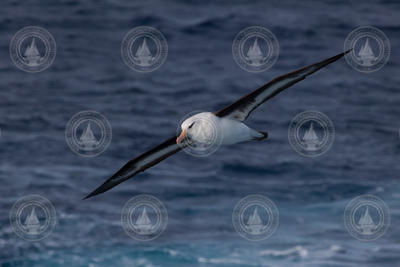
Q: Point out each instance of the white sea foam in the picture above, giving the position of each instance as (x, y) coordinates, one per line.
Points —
(172, 252)
(299, 250)
(222, 261)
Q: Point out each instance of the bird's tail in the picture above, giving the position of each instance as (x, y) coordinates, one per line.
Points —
(260, 136)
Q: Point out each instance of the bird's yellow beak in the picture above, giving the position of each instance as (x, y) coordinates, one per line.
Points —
(182, 136)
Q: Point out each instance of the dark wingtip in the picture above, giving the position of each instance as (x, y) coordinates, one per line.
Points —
(107, 185)
(348, 51)
(88, 196)
(116, 179)
(323, 63)
(334, 58)
(93, 193)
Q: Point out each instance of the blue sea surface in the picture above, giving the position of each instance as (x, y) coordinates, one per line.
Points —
(145, 109)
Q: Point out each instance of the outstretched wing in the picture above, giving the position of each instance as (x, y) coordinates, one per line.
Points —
(242, 108)
(238, 110)
(139, 164)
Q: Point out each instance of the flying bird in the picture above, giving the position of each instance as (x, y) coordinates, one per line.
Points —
(229, 120)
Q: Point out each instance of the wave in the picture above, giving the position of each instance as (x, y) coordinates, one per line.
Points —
(297, 250)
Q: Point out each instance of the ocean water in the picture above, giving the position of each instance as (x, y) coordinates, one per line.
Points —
(145, 109)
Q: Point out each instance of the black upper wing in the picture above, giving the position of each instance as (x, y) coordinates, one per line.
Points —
(241, 109)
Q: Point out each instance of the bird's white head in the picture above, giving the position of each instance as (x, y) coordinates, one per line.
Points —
(197, 128)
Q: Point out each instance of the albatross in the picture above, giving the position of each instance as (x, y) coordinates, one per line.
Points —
(229, 121)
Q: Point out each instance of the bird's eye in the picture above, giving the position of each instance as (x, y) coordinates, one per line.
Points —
(191, 125)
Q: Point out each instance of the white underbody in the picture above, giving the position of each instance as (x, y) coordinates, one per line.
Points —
(232, 131)
(235, 132)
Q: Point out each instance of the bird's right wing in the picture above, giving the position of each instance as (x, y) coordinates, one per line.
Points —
(139, 164)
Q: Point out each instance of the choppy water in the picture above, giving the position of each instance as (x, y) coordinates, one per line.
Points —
(144, 109)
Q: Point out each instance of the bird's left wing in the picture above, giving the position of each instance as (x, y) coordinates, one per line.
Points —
(241, 109)
(139, 164)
